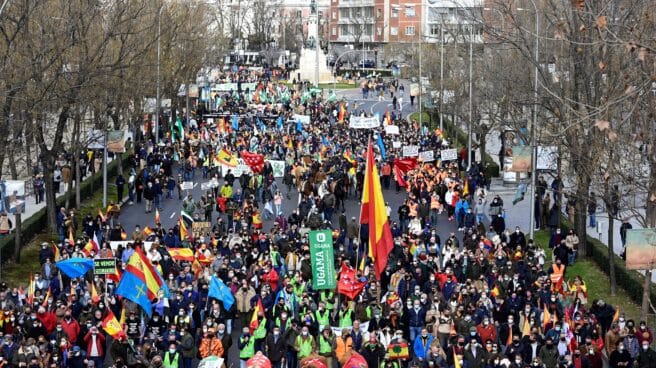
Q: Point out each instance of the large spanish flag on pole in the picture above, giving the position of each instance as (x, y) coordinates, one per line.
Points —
(373, 213)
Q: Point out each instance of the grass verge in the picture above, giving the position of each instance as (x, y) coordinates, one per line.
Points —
(596, 280)
(425, 117)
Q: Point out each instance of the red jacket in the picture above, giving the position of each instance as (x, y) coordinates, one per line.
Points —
(71, 328)
(48, 319)
(100, 343)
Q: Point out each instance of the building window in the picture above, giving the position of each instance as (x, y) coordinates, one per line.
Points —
(379, 13)
(344, 13)
(394, 31)
(369, 12)
(334, 31)
(379, 31)
(395, 12)
(334, 14)
(410, 11)
(435, 29)
(410, 30)
(343, 29)
(299, 14)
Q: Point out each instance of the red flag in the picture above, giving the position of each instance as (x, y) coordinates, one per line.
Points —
(254, 160)
(355, 360)
(111, 325)
(373, 212)
(259, 309)
(406, 164)
(348, 284)
(398, 176)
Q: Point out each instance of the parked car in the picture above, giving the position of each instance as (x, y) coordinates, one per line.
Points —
(367, 64)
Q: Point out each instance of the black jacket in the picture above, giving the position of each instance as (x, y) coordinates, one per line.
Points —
(275, 349)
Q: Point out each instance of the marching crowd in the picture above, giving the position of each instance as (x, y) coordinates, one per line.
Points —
(481, 297)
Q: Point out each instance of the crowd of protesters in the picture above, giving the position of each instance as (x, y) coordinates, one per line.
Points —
(483, 296)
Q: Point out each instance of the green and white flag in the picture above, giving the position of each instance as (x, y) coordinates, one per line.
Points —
(322, 259)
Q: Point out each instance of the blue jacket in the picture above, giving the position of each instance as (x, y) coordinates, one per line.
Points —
(416, 318)
(420, 349)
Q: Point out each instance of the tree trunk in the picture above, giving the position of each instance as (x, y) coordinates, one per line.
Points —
(78, 181)
(611, 256)
(18, 237)
(646, 296)
(581, 210)
(51, 200)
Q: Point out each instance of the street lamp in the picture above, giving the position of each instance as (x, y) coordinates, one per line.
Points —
(157, 99)
(534, 124)
(337, 64)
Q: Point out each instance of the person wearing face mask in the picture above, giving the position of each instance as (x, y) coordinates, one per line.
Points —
(644, 333)
(421, 345)
(172, 358)
(210, 344)
(647, 357)
(275, 347)
(305, 344)
(373, 352)
(632, 345)
(620, 357)
(548, 354)
(416, 319)
(243, 298)
(70, 326)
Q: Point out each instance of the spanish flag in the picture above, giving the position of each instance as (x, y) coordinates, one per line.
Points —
(465, 189)
(71, 237)
(342, 113)
(111, 325)
(259, 309)
(616, 316)
(388, 118)
(526, 329)
(182, 254)
(124, 235)
(510, 336)
(456, 362)
(349, 156)
(56, 251)
(157, 216)
(95, 298)
(102, 217)
(373, 212)
(148, 231)
(546, 317)
(184, 234)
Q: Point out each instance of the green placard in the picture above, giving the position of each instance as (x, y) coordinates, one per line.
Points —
(323, 260)
(104, 266)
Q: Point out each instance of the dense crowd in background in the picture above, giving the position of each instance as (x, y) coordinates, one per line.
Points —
(484, 296)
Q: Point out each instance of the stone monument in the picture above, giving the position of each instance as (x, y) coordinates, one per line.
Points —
(312, 63)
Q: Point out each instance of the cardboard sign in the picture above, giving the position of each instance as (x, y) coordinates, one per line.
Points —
(104, 266)
(396, 144)
(449, 154)
(305, 119)
(277, 166)
(200, 228)
(357, 122)
(410, 151)
(392, 129)
(187, 185)
(426, 156)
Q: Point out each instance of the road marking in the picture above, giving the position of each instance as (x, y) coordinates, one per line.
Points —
(195, 184)
(172, 214)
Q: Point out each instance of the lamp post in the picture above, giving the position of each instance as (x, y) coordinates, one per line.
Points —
(441, 74)
(157, 99)
(337, 64)
(534, 124)
(471, 83)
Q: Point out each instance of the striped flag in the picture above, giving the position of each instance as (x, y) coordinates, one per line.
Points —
(157, 216)
(373, 212)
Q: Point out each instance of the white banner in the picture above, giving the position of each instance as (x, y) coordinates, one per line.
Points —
(114, 244)
(449, 154)
(187, 185)
(410, 151)
(426, 156)
(305, 119)
(364, 327)
(392, 129)
(396, 144)
(358, 122)
(277, 166)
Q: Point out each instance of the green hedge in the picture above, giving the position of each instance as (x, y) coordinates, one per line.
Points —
(491, 168)
(629, 280)
(38, 222)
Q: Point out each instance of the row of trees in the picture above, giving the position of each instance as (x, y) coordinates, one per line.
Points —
(596, 95)
(68, 66)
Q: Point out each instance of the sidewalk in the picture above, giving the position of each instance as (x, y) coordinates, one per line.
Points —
(31, 207)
